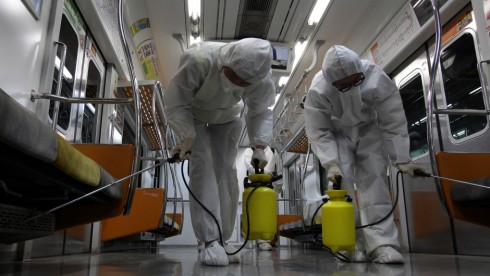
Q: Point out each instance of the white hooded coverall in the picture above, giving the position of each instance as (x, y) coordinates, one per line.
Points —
(358, 130)
(202, 105)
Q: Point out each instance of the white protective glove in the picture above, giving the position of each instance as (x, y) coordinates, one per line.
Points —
(332, 171)
(410, 168)
(259, 154)
(279, 189)
(183, 149)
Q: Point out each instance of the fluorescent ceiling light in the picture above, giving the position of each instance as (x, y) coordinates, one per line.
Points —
(416, 5)
(317, 12)
(299, 48)
(91, 107)
(475, 91)
(275, 101)
(194, 7)
(282, 81)
(66, 73)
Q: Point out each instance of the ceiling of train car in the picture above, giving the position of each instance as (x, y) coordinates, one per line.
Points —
(352, 23)
(343, 24)
(275, 20)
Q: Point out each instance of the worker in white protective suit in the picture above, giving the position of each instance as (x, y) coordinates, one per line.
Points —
(271, 168)
(203, 103)
(354, 121)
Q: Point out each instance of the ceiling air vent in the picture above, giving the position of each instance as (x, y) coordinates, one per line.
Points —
(254, 18)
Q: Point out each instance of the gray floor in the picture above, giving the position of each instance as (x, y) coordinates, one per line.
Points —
(281, 261)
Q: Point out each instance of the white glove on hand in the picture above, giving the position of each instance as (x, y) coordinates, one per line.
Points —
(409, 168)
(332, 171)
(279, 189)
(259, 154)
(183, 149)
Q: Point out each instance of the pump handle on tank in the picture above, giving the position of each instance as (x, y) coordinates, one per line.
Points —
(338, 182)
(256, 165)
(174, 158)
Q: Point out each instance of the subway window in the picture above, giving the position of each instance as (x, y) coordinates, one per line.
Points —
(462, 86)
(70, 38)
(412, 95)
(93, 90)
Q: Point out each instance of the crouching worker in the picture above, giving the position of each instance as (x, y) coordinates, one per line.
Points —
(355, 121)
(203, 103)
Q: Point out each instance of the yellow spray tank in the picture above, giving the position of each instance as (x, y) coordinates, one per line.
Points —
(338, 223)
(262, 207)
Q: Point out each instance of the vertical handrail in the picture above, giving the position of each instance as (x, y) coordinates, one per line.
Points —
(137, 107)
(56, 107)
(290, 99)
(177, 188)
(160, 139)
(303, 176)
(165, 155)
(430, 105)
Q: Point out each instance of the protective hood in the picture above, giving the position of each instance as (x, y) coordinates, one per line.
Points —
(339, 63)
(249, 58)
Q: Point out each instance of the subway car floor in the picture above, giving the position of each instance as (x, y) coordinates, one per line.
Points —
(182, 260)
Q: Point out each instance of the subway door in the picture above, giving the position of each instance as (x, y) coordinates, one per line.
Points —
(88, 119)
(423, 225)
(79, 239)
(461, 82)
(73, 35)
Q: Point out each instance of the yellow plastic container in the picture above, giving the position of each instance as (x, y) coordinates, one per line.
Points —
(338, 226)
(262, 210)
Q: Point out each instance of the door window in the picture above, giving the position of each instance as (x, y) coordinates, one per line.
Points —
(462, 86)
(93, 90)
(69, 37)
(412, 94)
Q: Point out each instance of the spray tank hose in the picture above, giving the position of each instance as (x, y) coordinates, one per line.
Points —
(214, 218)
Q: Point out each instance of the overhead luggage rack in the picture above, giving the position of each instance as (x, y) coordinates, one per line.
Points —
(148, 108)
(300, 145)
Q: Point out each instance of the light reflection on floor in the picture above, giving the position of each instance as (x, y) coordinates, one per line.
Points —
(281, 261)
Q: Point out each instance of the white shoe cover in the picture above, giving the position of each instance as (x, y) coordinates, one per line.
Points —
(213, 254)
(387, 255)
(264, 246)
(356, 257)
(232, 258)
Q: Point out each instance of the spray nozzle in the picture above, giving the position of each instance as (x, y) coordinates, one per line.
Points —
(421, 173)
(174, 158)
(255, 163)
(338, 182)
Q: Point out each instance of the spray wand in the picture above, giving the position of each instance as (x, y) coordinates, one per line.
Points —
(424, 174)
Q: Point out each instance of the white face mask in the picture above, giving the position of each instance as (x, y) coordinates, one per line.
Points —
(228, 86)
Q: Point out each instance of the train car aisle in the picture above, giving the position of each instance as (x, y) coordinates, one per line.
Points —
(281, 261)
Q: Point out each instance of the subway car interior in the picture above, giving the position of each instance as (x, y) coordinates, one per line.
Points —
(88, 183)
